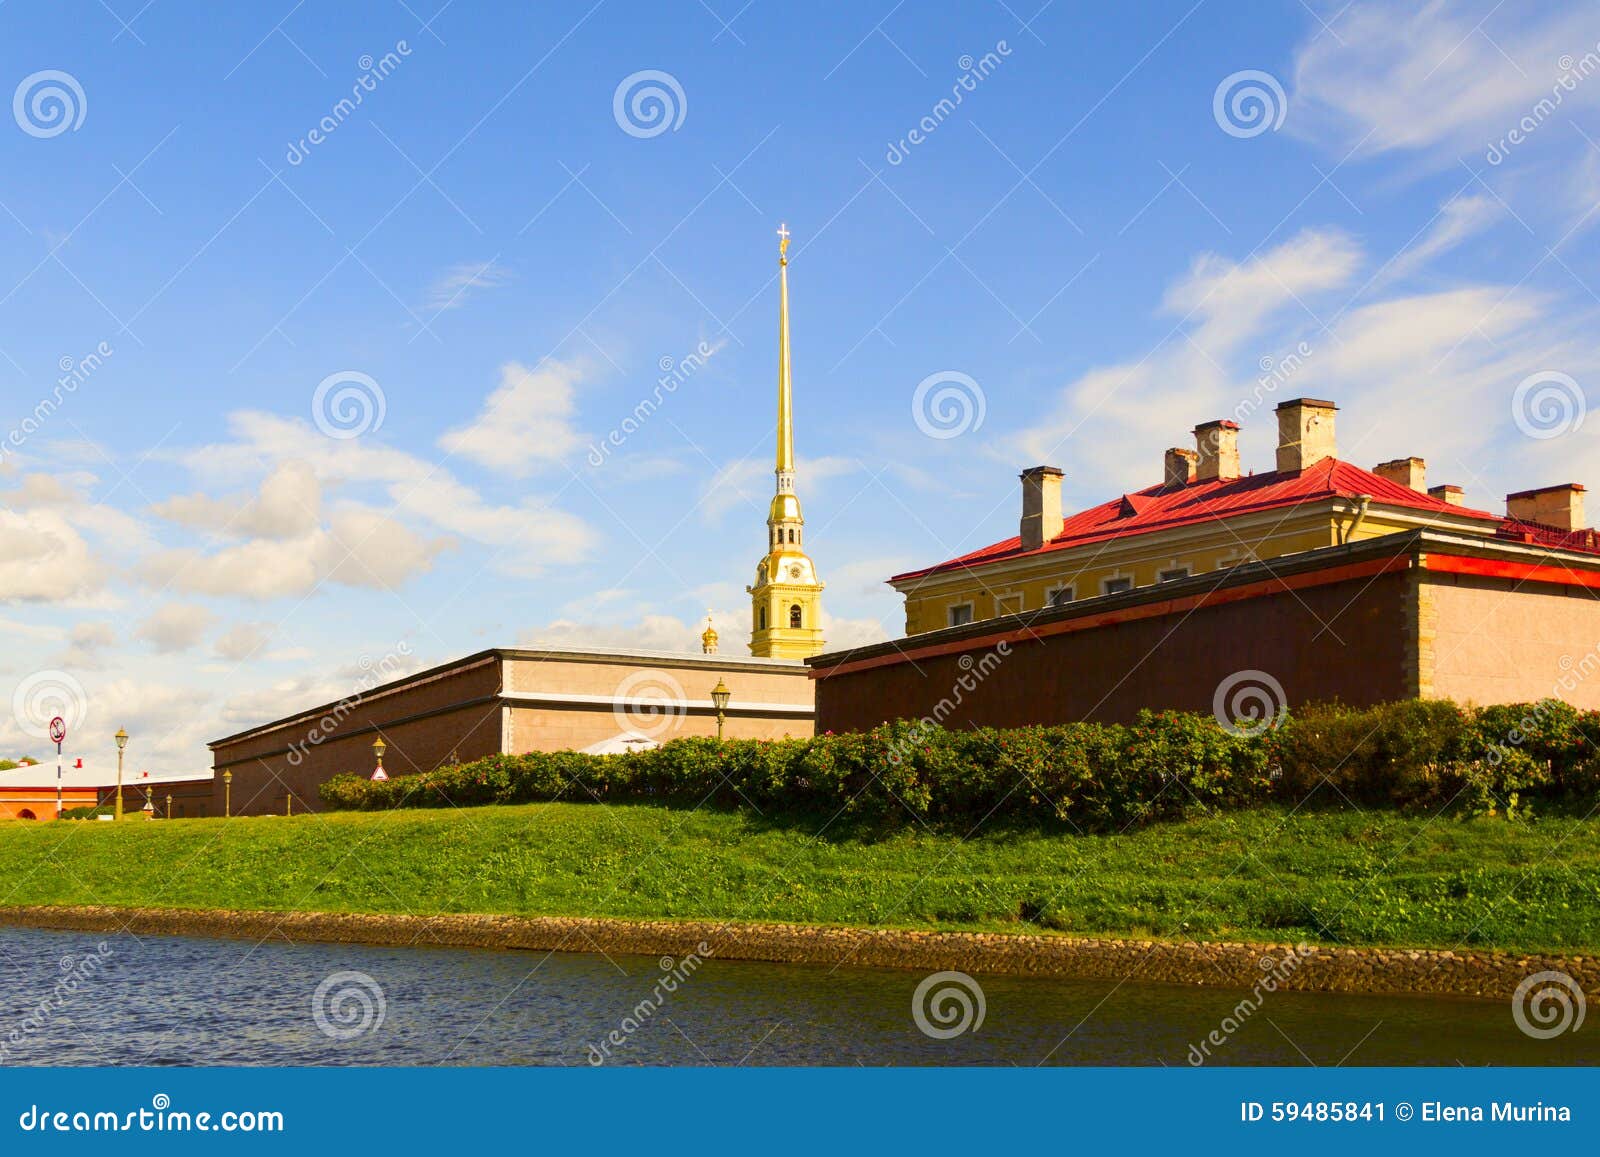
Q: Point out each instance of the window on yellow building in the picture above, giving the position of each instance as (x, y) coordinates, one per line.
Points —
(960, 614)
(1059, 597)
(1008, 605)
(1176, 572)
(1114, 586)
(794, 617)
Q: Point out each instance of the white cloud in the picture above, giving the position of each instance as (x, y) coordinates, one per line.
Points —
(289, 503)
(649, 632)
(1113, 422)
(1458, 219)
(843, 634)
(455, 285)
(1232, 299)
(175, 627)
(86, 643)
(242, 641)
(526, 423)
(1437, 81)
(360, 547)
(747, 484)
(44, 559)
(520, 540)
(1430, 374)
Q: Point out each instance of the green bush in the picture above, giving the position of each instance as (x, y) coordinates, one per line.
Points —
(1412, 754)
(86, 812)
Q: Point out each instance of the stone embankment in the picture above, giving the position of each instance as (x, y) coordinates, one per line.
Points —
(1226, 965)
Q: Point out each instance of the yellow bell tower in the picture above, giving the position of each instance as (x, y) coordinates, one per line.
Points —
(786, 602)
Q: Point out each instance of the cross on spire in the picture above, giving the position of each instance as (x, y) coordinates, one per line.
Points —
(783, 239)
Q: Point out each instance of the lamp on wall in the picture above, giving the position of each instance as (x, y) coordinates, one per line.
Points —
(122, 742)
(720, 696)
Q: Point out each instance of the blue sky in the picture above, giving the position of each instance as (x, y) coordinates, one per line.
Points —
(1101, 246)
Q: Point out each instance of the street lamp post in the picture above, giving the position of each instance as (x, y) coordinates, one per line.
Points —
(720, 696)
(122, 743)
(169, 805)
(227, 793)
(378, 748)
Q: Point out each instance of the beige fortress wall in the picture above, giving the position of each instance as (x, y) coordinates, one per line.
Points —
(1500, 641)
(507, 701)
(770, 699)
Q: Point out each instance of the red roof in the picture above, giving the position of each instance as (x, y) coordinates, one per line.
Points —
(1160, 508)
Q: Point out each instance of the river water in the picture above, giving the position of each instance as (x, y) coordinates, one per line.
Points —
(81, 999)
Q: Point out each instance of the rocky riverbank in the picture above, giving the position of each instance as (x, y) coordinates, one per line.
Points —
(1227, 965)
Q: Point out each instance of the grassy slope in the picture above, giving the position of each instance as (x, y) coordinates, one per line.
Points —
(1378, 878)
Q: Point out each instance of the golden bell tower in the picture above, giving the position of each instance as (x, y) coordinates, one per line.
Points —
(786, 602)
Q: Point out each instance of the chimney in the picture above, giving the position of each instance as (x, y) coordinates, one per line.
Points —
(1557, 506)
(1179, 467)
(1409, 472)
(1217, 444)
(1041, 506)
(1451, 494)
(1305, 434)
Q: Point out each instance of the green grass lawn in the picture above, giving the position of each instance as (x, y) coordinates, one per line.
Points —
(1347, 878)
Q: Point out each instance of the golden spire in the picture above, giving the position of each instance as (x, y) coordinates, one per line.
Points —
(785, 402)
(708, 637)
(786, 600)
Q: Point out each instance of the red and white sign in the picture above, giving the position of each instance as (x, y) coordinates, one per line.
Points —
(58, 729)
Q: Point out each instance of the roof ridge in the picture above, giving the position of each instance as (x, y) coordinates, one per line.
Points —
(1161, 507)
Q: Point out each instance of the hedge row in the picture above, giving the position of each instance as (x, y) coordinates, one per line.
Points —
(1093, 776)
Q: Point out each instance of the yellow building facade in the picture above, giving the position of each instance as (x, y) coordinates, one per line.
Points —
(786, 600)
(1206, 515)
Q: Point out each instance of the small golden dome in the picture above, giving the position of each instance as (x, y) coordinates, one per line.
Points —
(708, 638)
(785, 508)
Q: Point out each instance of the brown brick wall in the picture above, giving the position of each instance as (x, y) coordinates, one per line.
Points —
(266, 768)
(1345, 640)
